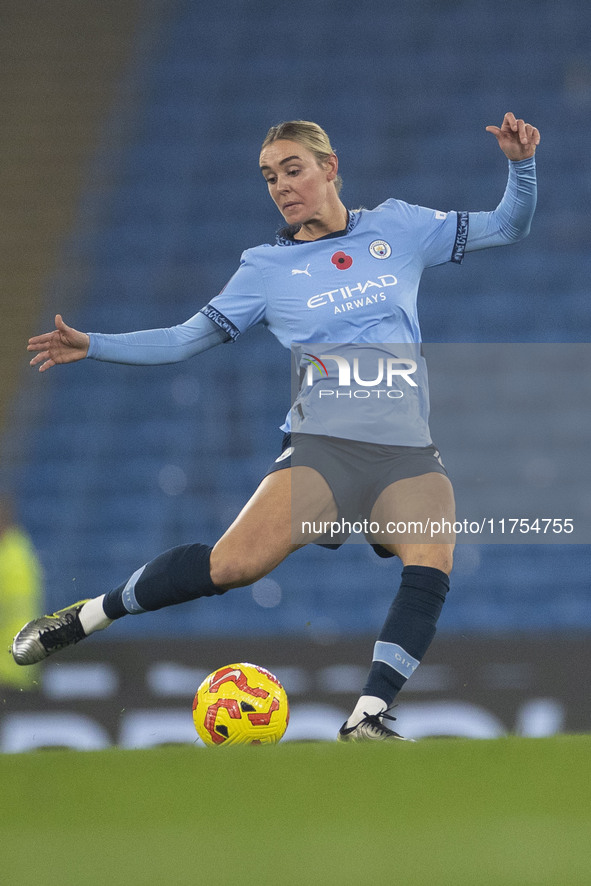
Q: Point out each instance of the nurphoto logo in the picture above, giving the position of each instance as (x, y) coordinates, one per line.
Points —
(389, 372)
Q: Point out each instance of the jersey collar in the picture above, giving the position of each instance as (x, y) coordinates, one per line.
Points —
(285, 236)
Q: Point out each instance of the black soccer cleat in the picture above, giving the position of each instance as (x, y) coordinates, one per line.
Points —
(50, 633)
(370, 728)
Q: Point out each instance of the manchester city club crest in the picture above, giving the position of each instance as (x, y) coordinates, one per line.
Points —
(380, 249)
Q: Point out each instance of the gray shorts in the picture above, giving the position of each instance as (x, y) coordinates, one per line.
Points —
(356, 472)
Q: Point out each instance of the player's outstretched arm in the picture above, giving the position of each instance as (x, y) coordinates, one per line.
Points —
(517, 139)
(148, 347)
(63, 345)
(511, 220)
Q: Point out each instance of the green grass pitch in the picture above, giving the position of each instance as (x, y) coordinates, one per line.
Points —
(445, 812)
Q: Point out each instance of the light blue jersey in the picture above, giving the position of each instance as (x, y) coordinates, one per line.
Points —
(361, 286)
(353, 290)
(355, 287)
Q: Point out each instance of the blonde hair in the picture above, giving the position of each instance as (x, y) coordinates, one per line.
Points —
(310, 135)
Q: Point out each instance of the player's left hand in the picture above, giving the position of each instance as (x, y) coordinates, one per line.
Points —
(517, 139)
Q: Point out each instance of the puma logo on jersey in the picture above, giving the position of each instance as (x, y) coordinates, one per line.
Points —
(299, 271)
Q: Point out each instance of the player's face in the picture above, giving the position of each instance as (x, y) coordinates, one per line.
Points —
(301, 188)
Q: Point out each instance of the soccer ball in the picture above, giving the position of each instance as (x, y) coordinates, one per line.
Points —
(240, 704)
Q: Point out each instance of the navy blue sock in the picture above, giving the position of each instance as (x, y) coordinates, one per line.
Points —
(176, 576)
(408, 630)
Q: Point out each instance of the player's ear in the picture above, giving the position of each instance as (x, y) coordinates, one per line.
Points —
(331, 164)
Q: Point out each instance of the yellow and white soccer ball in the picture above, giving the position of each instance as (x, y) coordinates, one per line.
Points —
(240, 704)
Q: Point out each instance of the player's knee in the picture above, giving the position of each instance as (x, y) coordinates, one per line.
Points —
(445, 561)
(233, 572)
(439, 557)
(435, 556)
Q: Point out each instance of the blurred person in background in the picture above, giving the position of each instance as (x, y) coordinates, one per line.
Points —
(20, 594)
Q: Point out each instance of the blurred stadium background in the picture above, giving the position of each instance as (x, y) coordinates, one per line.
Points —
(130, 187)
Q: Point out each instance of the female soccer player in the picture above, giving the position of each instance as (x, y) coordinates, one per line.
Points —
(334, 275)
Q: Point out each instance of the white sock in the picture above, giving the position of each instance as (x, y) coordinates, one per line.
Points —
(367, 704)
(92, 616)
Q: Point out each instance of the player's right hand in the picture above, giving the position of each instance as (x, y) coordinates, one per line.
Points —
(63, 345)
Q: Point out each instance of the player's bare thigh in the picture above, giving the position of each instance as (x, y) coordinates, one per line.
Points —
(419, 505)
(266, 530)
